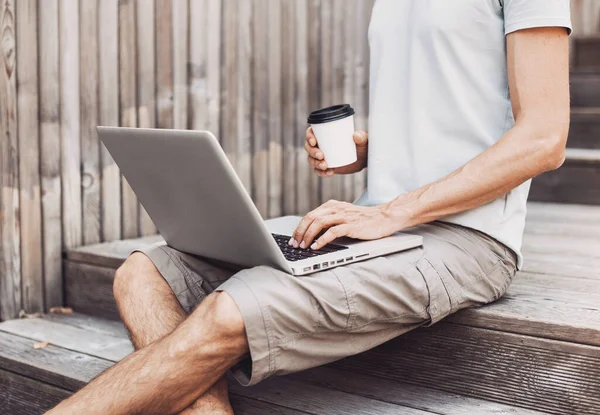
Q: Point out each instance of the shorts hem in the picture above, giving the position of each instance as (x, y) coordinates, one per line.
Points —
(161, 260)
(256, 331)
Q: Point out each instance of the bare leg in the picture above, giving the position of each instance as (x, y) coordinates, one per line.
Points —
(150, 310)
(170, 374)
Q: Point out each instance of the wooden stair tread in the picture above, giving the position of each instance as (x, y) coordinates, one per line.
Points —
(59, 369)
(583, 155)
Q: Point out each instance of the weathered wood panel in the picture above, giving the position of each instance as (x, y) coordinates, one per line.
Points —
(180, 64)
(146, 94)
(10, 258)
(274, 115)
(164, 63)
(575, 182)
(29, 153)
(288, 115)
(70, 123)
(243, 136)
(128, 106)
(23, 396)
(303, 172)
(108, 14)
(90, 146)
(260, 104)
(49, 105)
(540, 374)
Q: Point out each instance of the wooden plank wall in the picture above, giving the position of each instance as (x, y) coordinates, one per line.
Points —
(247, 70)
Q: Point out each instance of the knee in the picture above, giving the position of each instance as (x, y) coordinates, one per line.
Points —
(132, 275)
(218, 327)
(224, 315)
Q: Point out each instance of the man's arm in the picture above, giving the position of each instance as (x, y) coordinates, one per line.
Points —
(538, 72)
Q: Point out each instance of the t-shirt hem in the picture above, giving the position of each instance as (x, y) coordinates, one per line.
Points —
(540, 22)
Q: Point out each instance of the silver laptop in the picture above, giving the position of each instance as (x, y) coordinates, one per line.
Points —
(190, 190)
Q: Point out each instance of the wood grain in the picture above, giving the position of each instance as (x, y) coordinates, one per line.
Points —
(229, 81)
(128, 108)
(361, 78)
(180, 67)
(400, 393)
(88, 289)
(574, 182)
(213, 66)
(53, 365)
(70, 123)
(275, 103)
(96, 324)
(539, 374)
(108, 14)
(314, 82)
(585, 128)
(260, 105)
(146, 83)
(330, 186)
(22, 396)
(244, 95)
(29, 150)
(198, 92)
(111, 254)
(303, 172)
(90, 146)
(49, 119)
(317, 400)
(70, 337)
(10, 258)
(164, 63)
(288, 113)
(346, 71)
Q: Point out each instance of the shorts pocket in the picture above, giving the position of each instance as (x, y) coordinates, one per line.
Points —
(440, 305)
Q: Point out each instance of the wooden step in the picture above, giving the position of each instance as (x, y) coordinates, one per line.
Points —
(586, 52)
(584, 131)
(34, 380)
(577, 181)
(585, 88)
(544, 332)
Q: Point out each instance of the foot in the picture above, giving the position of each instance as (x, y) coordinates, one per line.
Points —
(215, 401)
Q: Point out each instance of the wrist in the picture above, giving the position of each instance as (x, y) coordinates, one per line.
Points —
(403, 211)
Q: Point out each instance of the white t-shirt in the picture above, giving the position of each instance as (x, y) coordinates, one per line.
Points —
(439, 97)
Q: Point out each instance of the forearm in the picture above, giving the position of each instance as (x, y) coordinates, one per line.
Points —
(524, 152)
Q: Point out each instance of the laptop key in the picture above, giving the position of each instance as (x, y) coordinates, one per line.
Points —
(297, 254)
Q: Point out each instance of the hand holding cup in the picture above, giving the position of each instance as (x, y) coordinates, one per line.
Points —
(332, 144)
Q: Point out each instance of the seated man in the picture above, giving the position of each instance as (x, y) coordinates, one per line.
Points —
(469, 101)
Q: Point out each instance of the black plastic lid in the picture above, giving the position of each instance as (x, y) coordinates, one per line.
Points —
(333, 113)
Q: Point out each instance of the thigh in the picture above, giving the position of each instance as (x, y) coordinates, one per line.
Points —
(190, 277)
(294, 323)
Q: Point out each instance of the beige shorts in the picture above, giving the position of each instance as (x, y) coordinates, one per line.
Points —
(296, 323)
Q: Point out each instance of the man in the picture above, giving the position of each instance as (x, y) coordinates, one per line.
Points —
(469, 100)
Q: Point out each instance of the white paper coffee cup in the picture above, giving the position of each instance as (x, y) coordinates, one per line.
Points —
(334, 129)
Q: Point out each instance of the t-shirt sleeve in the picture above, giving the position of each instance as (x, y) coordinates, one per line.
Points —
(527, 14)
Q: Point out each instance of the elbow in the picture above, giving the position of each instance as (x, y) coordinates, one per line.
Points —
(555, 154)
(552, 148)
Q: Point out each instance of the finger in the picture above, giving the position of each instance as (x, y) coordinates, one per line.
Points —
(320, 172)
(314, 152)
(317, 164)
(329, 236)
(324, 173)
(320, 223)
(298, 234)
(360, 138)
(310, 137)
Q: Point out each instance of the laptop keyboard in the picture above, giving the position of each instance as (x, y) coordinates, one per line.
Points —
(297, 254)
